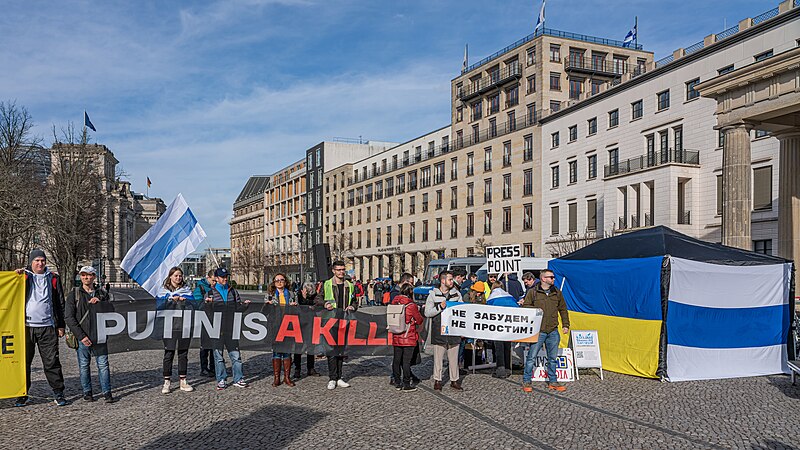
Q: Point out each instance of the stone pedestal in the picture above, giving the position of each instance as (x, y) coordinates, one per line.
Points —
(736, 187)
(789, 197)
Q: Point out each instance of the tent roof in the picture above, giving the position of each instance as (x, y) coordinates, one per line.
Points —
(660, 241)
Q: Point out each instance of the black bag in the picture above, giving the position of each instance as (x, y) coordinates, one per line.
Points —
(69, 336)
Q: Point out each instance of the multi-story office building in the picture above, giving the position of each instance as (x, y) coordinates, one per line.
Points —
(247, 232)
(647, 151)
(285, 210)
(498, 102)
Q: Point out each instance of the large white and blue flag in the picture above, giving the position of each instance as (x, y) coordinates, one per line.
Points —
(630, 38)
(176, 234)
(540, 20)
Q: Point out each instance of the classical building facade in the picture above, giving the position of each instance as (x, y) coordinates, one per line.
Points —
(247, 231)
(649, 150)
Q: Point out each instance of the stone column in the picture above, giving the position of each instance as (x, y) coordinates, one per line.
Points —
(789, 197)
(736, 187)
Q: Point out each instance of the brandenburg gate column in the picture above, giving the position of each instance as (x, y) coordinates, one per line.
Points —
(789, 196)
(736, 187)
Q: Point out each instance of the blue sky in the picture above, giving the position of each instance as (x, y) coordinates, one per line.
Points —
(199, 95)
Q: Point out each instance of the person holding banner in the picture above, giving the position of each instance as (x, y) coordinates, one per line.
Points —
(339, 298)
(202, 292)
(280, 296)
(406, 343)
(44, 324)
(502, 349)
(82, 305)
(307, 297)
(434, 305)
(173, 295)
(225, 299)
(550, 300)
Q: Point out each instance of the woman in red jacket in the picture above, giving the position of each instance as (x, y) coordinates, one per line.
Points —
(405, 343)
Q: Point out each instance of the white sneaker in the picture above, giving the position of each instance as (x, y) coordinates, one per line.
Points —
(331, 385)
(165, 388)
(342, 384)
(185, 386)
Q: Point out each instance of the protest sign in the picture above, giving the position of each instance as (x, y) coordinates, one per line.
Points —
(497, 323)
(12, 334)
(503, 258)
(586, 345)
(565, 366)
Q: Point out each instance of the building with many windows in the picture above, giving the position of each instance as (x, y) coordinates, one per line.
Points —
(285, 209)
(247, 231)
(649, 151)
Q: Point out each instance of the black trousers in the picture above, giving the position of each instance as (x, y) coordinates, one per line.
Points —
(206, 359)
(402, 359)
(46, 338)
(169, 356)
(298, 361)
(502, 354)
(335, 367)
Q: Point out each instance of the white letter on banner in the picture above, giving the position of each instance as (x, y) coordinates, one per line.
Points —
(148, 327)
(169, 316)
(260, 331)
(237, 326)
(103, 330)
(201, 322)
(186, 332)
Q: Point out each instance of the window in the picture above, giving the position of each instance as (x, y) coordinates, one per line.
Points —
(527, 216)
(477, 110)
(401, 183)
(476, 134)
(575, 88)
(453, 227)
(377, 237)
(412, 205)
(389, 187)
(487, 190)
(591, 215)
(592, 127)
(531, 114)
(555, 53)
(721, 139)
(719, 195)
(506, 153)
(487, 159)
(512, 96)
(453, 197)
(762, 188)
(369, 214)
(453, 169)
(527, 250)
(445, 143)
(470, 164)
(511, 121)
(573, 172)
(506, 186)
(507, 220)
(527, 150)
(724, 70)
(424, 203)
(388, 210)
(359, 216)
(572, 209)
(761, 133)
(763, 56)
(494, 103)
(613, 161)
(613, 118)
(555, 81)
(470, 194)
(573, 133)
(438, 229)
(412, 233)
(527, 182)
(412, 180)
(459, 139)
(764, 246)
(691, 92)
(487, 222)
(400, 207)
(554, 220)
(439, 199)
(554, 140)
(664, 150)
(399, 233)
(555, 105)
(597, 85)
(350, 221)
(424, 177)
(438, 173)
(592, 169)
(459, 114)
(492, 127)
(554, 172)
(677, 134)
(369, 238)
(663, 100)
(531, 84)
(424, 231)
(636, 110)
(470, 224)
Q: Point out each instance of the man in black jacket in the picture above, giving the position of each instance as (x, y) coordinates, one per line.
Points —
(44, 324)
(82, 305)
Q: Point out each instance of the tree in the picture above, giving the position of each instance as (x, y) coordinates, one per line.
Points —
(480, 246)
(341, 246)
(75, 200)
(23, 168)
(566, 244)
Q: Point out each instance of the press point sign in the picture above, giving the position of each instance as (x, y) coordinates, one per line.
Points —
(503, 258)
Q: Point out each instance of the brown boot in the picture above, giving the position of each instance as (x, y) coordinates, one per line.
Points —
(437, 385)
(456, 385)
(276, 370)
(287, 370)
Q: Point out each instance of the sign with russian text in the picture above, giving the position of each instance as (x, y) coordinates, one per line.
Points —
(503, 258)
(587, 349)
(497, 323)
(565, 366)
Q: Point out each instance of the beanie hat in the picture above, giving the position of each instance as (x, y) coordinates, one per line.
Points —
(36, 253)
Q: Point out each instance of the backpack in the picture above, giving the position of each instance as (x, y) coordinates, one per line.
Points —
(396, 319)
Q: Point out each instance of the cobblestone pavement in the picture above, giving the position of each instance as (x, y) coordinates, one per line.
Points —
(621, 412)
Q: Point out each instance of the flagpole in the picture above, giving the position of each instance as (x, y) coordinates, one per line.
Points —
(636, 36)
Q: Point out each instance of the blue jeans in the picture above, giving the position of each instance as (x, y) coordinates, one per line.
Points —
(100, 353)
(236, 364)
(550, 341)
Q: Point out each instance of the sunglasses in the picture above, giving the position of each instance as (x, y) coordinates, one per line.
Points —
(280, 279)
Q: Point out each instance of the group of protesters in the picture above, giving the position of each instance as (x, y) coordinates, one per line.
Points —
(50, 314)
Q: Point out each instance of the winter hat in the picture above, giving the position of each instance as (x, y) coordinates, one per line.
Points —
(36, 253)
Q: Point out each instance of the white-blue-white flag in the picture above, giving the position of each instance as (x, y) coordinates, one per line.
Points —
(630, 37)
(464, 65)
(540, 20)
(176, 234)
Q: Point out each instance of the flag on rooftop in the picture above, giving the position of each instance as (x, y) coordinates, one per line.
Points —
(88, 123)
(540, 20)
(148, 182)
(630, 37)
(176, 234)
(464, 65)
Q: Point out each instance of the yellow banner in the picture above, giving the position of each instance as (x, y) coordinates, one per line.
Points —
(12, 334)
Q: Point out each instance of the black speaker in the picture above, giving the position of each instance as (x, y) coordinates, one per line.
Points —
(322, 261)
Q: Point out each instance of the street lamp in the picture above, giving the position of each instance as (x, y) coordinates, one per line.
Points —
(301, 227)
